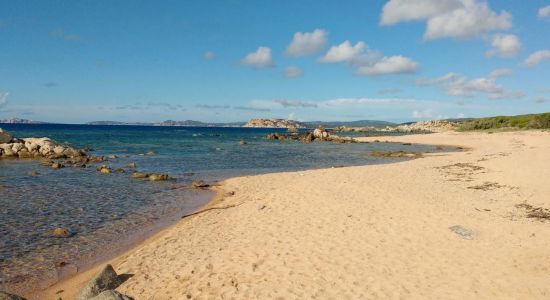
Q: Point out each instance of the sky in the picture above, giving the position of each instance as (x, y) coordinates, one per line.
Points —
(225, 61)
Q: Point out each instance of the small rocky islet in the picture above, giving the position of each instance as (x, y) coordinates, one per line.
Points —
(316, 135)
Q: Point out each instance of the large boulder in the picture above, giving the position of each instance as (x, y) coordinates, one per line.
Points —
(111, 295)
(5, 137)
(105, 280)
(6, 296)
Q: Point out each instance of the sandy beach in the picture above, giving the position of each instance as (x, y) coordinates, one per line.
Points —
(448, 226)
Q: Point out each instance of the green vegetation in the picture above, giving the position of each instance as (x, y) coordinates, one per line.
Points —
(531, 121)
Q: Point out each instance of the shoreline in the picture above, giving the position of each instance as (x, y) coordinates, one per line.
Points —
(188, 259)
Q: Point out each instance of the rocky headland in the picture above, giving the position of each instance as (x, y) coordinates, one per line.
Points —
(274, 123)
(317, 135)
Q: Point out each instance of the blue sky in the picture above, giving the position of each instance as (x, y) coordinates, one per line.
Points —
(398, 60)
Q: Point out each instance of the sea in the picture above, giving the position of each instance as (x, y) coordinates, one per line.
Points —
(109, 213)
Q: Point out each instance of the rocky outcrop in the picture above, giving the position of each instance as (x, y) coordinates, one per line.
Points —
(106, 280)
(273, 123)
(34, 148)
(317, 135)
(428, 126)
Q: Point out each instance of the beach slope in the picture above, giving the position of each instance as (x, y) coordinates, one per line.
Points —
(461, 225)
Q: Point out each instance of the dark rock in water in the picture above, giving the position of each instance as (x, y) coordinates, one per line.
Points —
(6, 296)
(32, 173)
(111, 295)
(139, 175)
(57, 165)
(132, 165)
(158, 177)
(199, 184)
(59, 233)
(120, 170)
(105, 280)
(464, 233)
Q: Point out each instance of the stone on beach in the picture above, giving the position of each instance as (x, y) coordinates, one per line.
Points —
(106, 279)
(6, 296)
(111, 295)
(464, 233)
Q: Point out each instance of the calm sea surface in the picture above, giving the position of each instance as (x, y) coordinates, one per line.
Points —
(107, 213)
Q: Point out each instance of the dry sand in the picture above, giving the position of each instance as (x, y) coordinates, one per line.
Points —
(369, 232)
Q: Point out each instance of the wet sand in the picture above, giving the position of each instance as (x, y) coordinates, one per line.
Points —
(375, 232)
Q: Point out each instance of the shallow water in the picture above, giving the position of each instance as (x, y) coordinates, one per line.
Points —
(105, 211)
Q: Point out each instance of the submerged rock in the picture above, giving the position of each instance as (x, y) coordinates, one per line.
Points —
(132, 165)
(32, 173)
(56, 165)
(105, 280)
(158, 177)
(59, 232)
(139, 175)
(199, 184)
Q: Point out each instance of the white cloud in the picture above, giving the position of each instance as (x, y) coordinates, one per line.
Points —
(447, 18)
(369, 63)
(544, 11)
(344, 52)
(423, 114)
(389, 65)
(260, 59)
(500, 73)
(396, 11)
(208, 55)
(295, 103)
(504, 45)
(460, 86)
(305, 43)
(536, 57)
(292, 71)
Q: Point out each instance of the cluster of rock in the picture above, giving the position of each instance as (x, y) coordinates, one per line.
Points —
(273, 123)
(317, 135)
(34, 148)
(428, 126)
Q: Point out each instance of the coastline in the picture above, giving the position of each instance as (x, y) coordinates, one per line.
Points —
(375, 231)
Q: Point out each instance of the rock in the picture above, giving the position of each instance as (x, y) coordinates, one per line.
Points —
(120, 170)
(105, 280)
(151, 153)
(58, 149)
(132, 165)
(139, 175)
(464, 233)
(199, 184)
(111, 295)
(24, 153)
(6, 296)
(242, 142)
(104, 170)
(32, 173)
(5, 137)
(59, 232)
(56, 165)
(158, 177)
(273, 123)
(112, 156)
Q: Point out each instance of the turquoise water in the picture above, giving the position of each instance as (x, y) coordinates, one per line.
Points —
(107, 213)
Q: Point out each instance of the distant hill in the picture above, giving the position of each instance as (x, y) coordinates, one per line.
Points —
(530, 121)
(20, 121)
(360, 123)
(273, 123)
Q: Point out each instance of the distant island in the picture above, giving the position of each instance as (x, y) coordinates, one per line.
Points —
(274, 123)
(20, 121)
